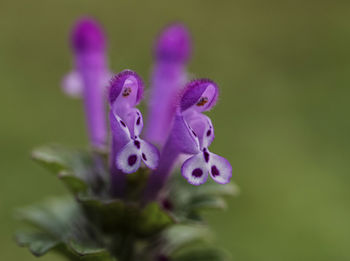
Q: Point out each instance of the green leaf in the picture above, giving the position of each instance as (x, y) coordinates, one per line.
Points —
(108, 215)
(201, 253)
(49, 158)
(206, 202)
(179, 236)
(215, 189)
(77, 169)
(39, 243)
(188, 200)
(137, 182)
(52, 215)
(56, 158)
(115, 216)
(85, 250)
(61, 221)
(73, 183)
(152, 219)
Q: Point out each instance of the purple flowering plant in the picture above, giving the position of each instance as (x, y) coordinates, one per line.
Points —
(135, 196)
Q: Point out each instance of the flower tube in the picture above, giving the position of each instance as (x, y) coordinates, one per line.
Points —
(90, 76)
(171, 53)
(192, 133)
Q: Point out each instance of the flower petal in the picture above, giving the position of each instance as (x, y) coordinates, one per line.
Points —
(195, 170)
(171, 54)
(199, 95)
(149, 154)
(88, 36)
(119, 129)
(202, 127)
(72, 84)
(183, 138)
(208, 135)
(134, 121)
(127, 88)
(128, 159)
(173, 44)
(167, 82)
(220, 169)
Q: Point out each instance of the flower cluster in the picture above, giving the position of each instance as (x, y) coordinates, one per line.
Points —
(176, 124)
(152, 214)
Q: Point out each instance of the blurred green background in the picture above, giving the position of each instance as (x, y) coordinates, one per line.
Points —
(282, 120)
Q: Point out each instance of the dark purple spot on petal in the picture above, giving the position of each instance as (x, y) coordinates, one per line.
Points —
(202, 101)
(197, 173)
(126, 92)
(123, 123)
(137, 144)
(132, 159)
(138, 121)
(208, 133)
(144, 157)
(206, 155)
(214, 171)
(194, 133)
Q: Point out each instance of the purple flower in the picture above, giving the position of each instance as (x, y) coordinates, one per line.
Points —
(126, 125)
(176, 120)
(200, 96)
(90, 76)
(192, 133)
(171, 53)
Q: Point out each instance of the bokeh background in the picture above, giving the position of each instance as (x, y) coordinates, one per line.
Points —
(282, 120)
